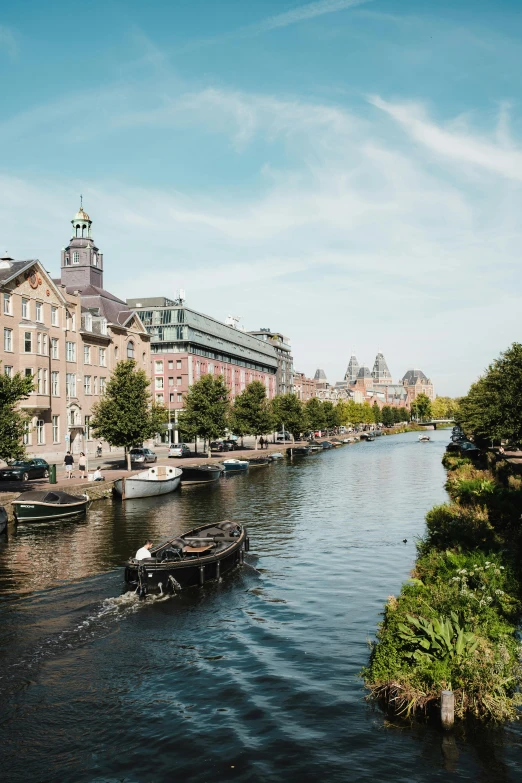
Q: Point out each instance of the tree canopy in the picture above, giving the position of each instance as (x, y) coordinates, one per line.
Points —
(12, 420)
(251, 413)
(288, 411)
(421, 407)
(314, 413)
(206, 408)
(126, 415)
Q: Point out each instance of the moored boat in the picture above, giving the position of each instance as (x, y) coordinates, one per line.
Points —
(370, 438)
(314, 448)
(3, 520)
(42, 506)
(326, 445)
(203, 554)
(336, 443)
(275, 455)
(259, 462)
(298, 451)
(159, 480)
(201, 474)
(235, 465)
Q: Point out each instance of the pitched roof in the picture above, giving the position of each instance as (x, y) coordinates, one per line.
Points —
(320, 375)
(352, 369)
(413, 376)
(8, 273)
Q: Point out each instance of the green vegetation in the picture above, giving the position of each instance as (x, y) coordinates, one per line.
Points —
(421, 408)
(492, 409)
(206, 410)
(444, 408)
(251, 413)
(289, 412)
(12, 420)
(126, 414)
(456, 622)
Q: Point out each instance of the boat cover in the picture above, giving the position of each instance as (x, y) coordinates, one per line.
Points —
(55, 497)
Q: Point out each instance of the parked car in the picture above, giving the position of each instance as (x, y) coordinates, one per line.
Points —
(284, 436)
(23, 470)
(231, 445)
(140, 456)
(217, 445)
(179, 450)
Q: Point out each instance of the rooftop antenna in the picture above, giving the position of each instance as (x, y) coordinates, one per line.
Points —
(81, 201)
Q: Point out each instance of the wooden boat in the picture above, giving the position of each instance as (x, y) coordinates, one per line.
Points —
(41, 506)
(424, 438)
(275, 455)
(201, 474)
(298, 451)
(3, 520)
(259, 462)
(203, 554)
(235, 465)
(159, 480)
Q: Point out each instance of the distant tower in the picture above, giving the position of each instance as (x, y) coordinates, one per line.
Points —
(82, 262)
(352, 370)
(380, 372)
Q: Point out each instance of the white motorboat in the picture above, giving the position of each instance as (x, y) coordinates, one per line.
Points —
(424, 438)
(275, 455)
(159, 480)
(235, 465)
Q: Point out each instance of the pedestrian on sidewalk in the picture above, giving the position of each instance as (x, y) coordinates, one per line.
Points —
(82, 465)
(261, 442)
(68, 461)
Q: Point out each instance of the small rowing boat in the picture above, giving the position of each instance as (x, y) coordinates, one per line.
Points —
(235, 465)
(159, 480)
(201, 474)
(203, 554)
(259, 462)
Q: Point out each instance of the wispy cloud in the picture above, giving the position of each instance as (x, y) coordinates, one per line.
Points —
(457, 142)
(8, 42)
(301, 14)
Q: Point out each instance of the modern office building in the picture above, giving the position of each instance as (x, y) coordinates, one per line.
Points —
(185, 345)
(285, 361)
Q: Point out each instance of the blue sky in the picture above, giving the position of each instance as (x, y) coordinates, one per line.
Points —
(348, 173)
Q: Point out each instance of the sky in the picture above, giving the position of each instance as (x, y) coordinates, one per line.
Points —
(346, 172)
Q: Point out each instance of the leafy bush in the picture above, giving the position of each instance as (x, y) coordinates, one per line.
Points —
(452, 525)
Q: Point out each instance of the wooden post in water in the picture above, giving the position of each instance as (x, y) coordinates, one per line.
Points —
(447, 709)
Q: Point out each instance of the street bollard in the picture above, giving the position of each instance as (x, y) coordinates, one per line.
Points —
(52, 474)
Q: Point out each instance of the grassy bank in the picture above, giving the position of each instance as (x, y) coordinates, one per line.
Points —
(455, 623)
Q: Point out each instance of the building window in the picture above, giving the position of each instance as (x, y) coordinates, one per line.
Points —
(8, 370)
(171, 365)
(46, 381)
(103, 326)
(56, 429)
(27, 434)
(130, 350)
(158, 365)
(87, 321)
(76, 257)
(39, 312)
(8, 304)
(102, 385)
(8, 340)
(95, 385)
(87, 384)
(45, 345)
(28, 342)
(86, 354)
(159, 383)
(180, 398)
(54, 316)
(55, 388)
(73, 322)
(116, 352)
(67, 261)
(88, 428)
(39, 381)
(171, 381)
(28, 372)
(159, 399)
(178, 364)
(54, 347)
(70, 384)
(171, 398)
(39, 343)
(102, 357)
(178, 381)
(70, 351)
(95, 260)
(25, 308)
(40, 432)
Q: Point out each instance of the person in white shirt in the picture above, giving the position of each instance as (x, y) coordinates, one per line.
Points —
(144, 552)
(97, 475)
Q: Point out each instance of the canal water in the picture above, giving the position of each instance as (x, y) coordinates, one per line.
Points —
(252, 679)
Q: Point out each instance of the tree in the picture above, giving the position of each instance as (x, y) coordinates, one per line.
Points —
(421, 407)
(251, 414)
(206, 407)
(376, 412)
(126, 415)
(315, 418)
(12, 420)
(288, 411)
(331, 415)
(387, 417)
(367, 413)
(444, 408)
(492, 409)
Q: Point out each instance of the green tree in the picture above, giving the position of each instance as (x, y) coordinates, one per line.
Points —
(492, 409)
(288, 411)
(126, 415)
(387, 417)
(367, 413)
(331, 415)
(12, 420)
(251, 413)
(444, 408)
(206, 408)
(315, 418)
(376, 412)
(421, 407)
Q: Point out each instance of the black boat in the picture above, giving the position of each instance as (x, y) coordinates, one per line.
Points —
(298, 451)
(47, 505)
(370, 438)
(3, 520)
(201, 474)
(203, 554)
(259, 462)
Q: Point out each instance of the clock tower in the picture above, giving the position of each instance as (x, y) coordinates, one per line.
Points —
(82, 262)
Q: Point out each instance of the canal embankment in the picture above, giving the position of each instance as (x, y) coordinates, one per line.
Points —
(455, 623)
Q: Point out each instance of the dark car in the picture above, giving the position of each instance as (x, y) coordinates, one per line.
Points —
(231, 445)
(142, 456)
(23, 470)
